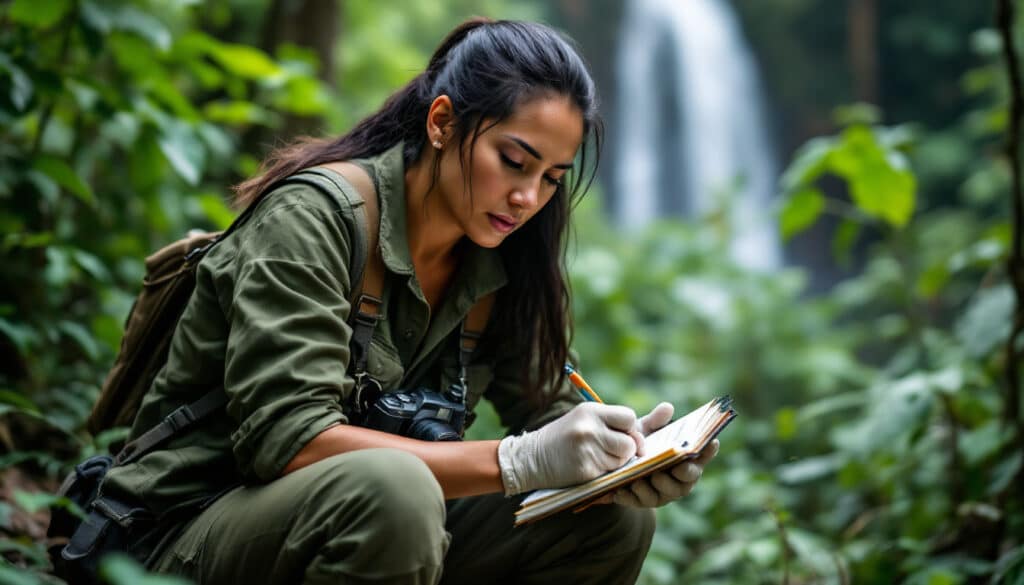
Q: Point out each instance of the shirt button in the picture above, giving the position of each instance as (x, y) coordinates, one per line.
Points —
(409, 333)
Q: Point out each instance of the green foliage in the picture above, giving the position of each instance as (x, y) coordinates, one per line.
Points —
(869, 160)
(388, 42)
(119, 131)
(119, 569)
(870, 447)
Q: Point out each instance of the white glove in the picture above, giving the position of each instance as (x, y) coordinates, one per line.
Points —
(587, 441)
(662, 487)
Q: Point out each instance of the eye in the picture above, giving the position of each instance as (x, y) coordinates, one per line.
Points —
(510, 163)
(556, 183)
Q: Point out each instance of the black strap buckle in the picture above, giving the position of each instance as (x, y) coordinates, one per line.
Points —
(181, 417)
(365, 393)
(200, 250)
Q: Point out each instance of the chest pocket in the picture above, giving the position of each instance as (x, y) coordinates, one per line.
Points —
(384, 365)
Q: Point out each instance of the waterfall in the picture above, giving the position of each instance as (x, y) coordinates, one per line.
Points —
(690, 125)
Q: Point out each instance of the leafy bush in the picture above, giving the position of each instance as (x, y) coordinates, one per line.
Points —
(871, 446)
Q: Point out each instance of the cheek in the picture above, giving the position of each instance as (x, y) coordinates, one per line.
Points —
(488, 185)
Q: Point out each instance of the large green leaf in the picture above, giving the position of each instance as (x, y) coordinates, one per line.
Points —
(91, 264)
(11, 575)
(65, 176)
(216, 210)
(982, 442)
(245, 61)
(303, 95)
(877, 186)
(986, 323)
(23, 336)
(21, 84)
(120, 569)
(32, 502)
(238, 112)
(810, 469)
(808, 164)
(131, 19)
(82, 337)
(800, 211)
(18, 401)
(844, 239)
(183, 150)
(38, 13)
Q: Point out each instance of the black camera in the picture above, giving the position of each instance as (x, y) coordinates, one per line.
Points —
(420, 414)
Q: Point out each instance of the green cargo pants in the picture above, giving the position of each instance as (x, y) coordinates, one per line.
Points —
(378, 516)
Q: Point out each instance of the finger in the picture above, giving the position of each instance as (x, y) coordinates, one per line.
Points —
(620, 418)
(669, 488)
(620, 446)
(686, 472)
(605, 499)
(708, 453)
(638, 438)
(645, 493)
(657, 418)
(625, 497)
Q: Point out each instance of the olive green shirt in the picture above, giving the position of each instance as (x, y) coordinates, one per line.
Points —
(268, 323)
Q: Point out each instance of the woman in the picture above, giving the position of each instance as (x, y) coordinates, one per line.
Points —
(473, 163)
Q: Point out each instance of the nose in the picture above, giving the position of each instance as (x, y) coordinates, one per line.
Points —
(525, 195)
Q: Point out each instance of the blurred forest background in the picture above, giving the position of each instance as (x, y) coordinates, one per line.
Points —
(864, 331)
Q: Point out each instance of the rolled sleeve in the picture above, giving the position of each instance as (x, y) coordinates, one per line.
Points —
(287, 350)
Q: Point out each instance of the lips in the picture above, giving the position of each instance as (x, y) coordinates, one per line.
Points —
(502, 223)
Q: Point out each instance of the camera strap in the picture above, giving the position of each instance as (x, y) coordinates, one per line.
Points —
(469, 335)
(369, 294)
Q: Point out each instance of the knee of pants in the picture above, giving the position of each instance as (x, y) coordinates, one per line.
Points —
(625, 527)
(393, 489)
(636, 525)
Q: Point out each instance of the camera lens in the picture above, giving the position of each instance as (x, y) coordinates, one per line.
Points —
(428, 429)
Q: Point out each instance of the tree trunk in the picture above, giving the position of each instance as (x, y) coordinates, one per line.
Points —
(862, 47)
(314, 24)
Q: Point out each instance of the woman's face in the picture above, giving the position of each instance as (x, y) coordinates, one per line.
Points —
(515, 168)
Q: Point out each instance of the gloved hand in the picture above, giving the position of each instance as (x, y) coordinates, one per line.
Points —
(664, 486)
(587, 441)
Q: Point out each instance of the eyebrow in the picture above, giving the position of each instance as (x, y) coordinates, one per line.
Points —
(533, 151)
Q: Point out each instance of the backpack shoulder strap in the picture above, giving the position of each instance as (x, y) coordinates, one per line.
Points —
(368, 283)
(180, 419)
(371, 282)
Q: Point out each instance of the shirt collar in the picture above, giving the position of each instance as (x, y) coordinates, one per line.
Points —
(389, 174)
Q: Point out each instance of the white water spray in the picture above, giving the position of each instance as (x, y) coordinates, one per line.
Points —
(690, 124)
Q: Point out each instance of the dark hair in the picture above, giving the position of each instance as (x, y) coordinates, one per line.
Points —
(487, 68)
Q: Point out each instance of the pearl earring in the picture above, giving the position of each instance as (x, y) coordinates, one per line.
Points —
(437, 144)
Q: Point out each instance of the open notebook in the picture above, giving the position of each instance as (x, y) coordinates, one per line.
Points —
(675, 442)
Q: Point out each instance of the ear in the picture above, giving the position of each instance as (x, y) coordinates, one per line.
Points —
(440, 120)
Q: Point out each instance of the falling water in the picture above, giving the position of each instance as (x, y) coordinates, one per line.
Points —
(690, 124)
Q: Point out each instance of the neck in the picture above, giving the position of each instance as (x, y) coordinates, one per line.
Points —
(431, 228)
